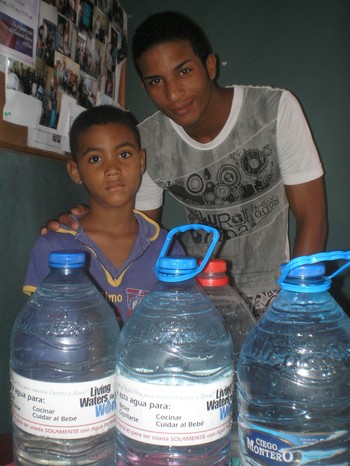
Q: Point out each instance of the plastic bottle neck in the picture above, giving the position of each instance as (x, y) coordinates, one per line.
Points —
(66, 270)
(306, 279)
(213, 280)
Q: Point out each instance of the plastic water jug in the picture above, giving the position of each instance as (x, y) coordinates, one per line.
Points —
(294, 373)
(63, 363)
(175, 372)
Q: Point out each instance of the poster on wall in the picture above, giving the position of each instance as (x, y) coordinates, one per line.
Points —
(78, 56)
(18, 29)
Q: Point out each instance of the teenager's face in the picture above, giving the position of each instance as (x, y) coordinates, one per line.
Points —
(109, 164)
(177, 81)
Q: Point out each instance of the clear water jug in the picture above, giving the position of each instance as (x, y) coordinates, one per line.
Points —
(294, 373)
(63, 362)
(175, 373)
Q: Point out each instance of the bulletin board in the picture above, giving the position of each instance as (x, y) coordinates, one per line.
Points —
(68, 56)
(14, 137)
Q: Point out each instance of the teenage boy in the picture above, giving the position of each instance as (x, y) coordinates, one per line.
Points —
(236, 158)
(123, 244)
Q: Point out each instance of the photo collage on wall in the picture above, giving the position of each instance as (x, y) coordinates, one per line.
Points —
(81, 46)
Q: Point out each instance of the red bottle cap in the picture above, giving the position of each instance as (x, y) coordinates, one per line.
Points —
(214, 273)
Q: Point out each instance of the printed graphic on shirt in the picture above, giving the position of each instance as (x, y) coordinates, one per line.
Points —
(234, 223)
(134, 297)
(235, 195)
(243, 174)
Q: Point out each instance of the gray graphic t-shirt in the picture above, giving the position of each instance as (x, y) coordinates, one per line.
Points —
(235, 186)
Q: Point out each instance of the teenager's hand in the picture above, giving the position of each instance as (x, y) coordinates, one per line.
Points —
(66, 219)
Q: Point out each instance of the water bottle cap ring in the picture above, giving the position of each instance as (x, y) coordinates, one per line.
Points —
(213, 281)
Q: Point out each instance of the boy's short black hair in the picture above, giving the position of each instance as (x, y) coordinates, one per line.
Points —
(101, 115)
(169, 26)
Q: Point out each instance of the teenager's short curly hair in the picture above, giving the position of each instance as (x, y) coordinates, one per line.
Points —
(101, 115)
(169, 26)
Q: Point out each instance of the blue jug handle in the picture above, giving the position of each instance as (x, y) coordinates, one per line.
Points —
(313, 259)
(181, 229)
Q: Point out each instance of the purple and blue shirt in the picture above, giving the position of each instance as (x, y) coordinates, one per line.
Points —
(123, 288)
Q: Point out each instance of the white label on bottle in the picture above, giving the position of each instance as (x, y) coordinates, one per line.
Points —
(174, 414)
(63, 410)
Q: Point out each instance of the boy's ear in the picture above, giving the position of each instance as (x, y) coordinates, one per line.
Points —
(73, 171)
(211, 64)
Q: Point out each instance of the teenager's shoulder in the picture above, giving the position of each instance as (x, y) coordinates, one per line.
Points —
(151, 119)
(258, 89)
(154, 124)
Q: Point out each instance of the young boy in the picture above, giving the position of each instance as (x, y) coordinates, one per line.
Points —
(123, 244)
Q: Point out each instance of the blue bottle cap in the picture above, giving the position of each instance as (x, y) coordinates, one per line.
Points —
(304, 271)
(309, 266)
(176, 265)
(66, 259)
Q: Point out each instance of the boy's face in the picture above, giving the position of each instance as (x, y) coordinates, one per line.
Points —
(178, 83)
(109, 164)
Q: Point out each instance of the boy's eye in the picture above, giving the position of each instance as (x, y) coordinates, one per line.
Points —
(153, 82)
(185, 71)
(94, 159)
(125, 155)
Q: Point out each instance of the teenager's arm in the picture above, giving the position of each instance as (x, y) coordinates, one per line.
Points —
(308, 205)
